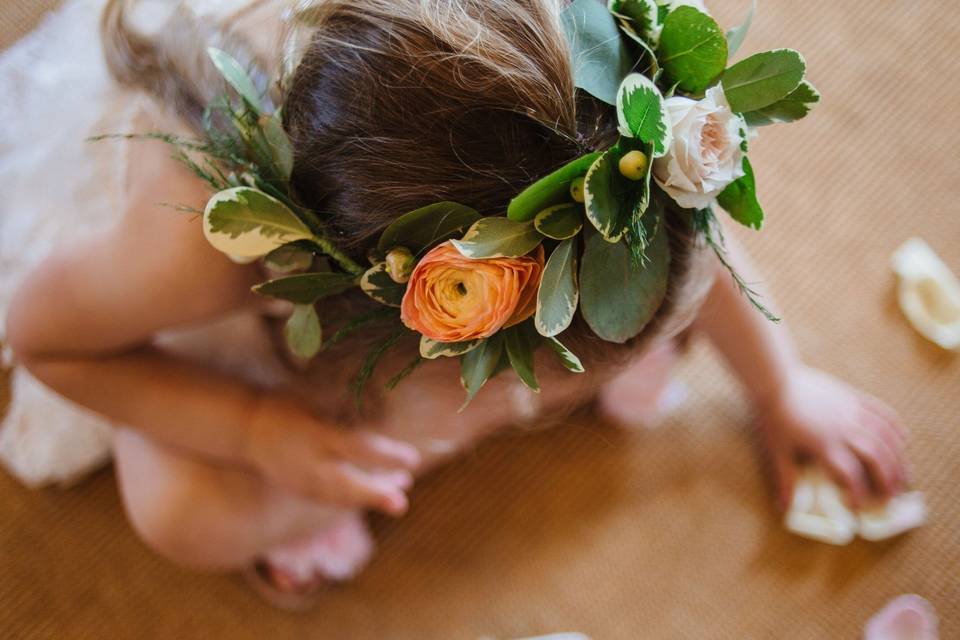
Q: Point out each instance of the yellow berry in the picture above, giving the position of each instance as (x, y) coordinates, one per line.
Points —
(400, 263)
(633, 165)
(576, 189)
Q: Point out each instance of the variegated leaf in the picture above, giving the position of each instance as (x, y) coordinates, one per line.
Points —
(570, 361)
(431, 349)
(642, 113)
(378, 284)
(560, 222)
(247, 223)
(497, 237)
(558, 295)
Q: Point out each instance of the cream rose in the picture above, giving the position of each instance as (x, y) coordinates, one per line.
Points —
(705, 155)
(451, 298)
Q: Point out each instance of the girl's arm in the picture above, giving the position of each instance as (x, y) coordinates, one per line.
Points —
(83, 324)
(803, 413)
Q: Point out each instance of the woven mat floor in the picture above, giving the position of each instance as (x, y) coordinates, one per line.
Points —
(665, 533)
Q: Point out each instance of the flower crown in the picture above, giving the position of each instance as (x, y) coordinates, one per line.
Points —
(590, 235)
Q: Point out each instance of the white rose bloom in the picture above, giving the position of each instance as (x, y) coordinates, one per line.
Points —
(705, 155)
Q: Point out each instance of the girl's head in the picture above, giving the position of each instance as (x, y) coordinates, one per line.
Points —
(395, 104)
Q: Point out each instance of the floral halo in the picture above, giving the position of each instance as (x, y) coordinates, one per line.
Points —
(590, 235)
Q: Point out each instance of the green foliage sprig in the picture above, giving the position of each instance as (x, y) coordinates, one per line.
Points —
(600, 219)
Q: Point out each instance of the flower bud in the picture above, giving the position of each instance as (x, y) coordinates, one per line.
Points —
(400, 264)
(576, 189)
(633, 165)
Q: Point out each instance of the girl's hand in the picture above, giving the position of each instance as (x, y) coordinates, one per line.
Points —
(853, 436)
(294, 449)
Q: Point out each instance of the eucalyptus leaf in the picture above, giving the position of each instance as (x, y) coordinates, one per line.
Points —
(570, 361)
(642, 113)
(607, 196)
(302, 331)
(739, 199)
(247, 223)
(558, 295)
(424, 227)
(378, 284)
(794, 107)
(497, 237)
(288, 259)
(738, 34)
(237, 77)
(306, 288)
(478, 366)
(279, 147)
(693, 49)
(599, 58)
(549, 190)
(763, 79)
(521, 341)
(431, 349)
(560, 222)
(617, 299)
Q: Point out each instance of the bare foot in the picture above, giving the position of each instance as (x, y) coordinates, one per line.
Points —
(291, 576)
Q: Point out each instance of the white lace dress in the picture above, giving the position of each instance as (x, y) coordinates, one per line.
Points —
(56, 187)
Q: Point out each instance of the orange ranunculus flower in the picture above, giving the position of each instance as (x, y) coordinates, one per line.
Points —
(451, 298)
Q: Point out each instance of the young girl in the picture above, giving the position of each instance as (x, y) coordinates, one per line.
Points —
(394, 104)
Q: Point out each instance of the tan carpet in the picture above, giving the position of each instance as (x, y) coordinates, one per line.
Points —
(662, 534)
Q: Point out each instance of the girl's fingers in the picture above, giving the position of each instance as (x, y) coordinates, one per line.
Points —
(886, 413)
(345, 485)
(848, 472)
(881, 429)
(879, 461)
(375, 450)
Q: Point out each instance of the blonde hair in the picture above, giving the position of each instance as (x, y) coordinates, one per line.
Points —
(394, 104)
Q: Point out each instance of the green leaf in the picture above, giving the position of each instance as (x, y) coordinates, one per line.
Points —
(521, 342)
(421, 229)
(559, 222)
(431, 349)
(404, 373)
(278, 145)
(693, 49)
(370, 362)
(607, 196)
(288, 259)
(237, 77)
(705, 222)
(794, 107)
(378, 284)
(763, 79)
(306, 288)
(498, 237)
(642, 17)
(643, 114)
(570, 361)
(549, 190)
(302, 331)
(617, 299)
(740, 199)
(477, 366)
(358, 323)
(598, 55)
(558, 294)
(642, 13)
(737, 35)
(247, 223)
